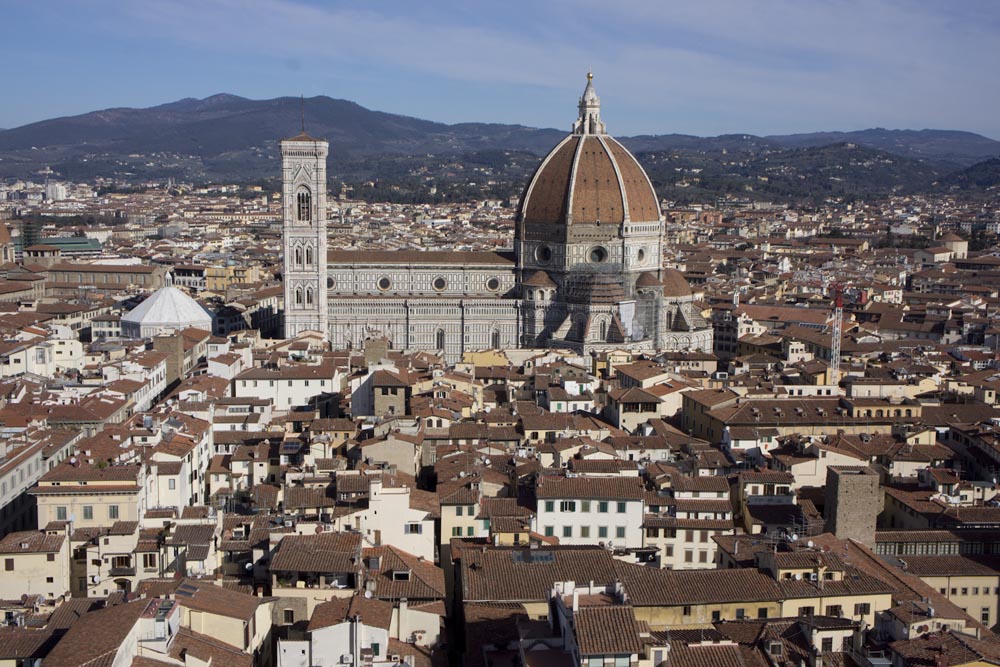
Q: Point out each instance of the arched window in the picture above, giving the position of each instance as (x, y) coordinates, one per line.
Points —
(304, 203)
(309, 296)
(309, 255)
(495, 340)
(439, 339)
(298, 256)
(604, 329)
(298, 296)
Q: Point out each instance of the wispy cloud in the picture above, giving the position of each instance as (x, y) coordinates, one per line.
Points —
(702, 66)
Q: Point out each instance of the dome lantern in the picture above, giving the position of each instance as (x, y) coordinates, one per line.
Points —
(589, 121)
(589, 178)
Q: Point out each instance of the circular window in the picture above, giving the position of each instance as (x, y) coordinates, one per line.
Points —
(543, 254)
(493, 284)
(330, 283)
(439, 283)
(598, 254)
(641, 255)
(384, 283)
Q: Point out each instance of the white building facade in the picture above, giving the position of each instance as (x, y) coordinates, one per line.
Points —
(587, 511)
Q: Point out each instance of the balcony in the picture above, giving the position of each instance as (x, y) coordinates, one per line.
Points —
(330, 581)
(870, 657)
(122, 571)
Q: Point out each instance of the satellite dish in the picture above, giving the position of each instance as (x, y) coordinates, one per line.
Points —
(795, 537)
(248, 566)
(368, 595)
(486, 461)
(810, 544)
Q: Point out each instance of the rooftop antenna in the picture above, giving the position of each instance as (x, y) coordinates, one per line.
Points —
(302, 111)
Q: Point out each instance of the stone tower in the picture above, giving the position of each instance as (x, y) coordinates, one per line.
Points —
(853, 503)
(303, 197)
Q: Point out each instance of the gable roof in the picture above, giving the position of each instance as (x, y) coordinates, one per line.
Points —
(504, 574)
(371, 611)
(94, 639)
(324, 552)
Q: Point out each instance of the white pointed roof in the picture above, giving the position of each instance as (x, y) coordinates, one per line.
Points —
(169, 306)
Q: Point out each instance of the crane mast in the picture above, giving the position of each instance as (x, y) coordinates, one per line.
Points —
(836, 333)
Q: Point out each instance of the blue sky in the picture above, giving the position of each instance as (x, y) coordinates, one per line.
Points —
(690, 66)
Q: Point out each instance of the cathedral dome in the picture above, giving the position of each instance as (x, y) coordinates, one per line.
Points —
(589, 178)
(648, 279)
(675, 284)
(539, 279)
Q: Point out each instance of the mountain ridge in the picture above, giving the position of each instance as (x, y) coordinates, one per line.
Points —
(229, 137)
(930, 144)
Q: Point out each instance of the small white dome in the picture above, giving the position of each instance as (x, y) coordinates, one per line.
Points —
(167, 309)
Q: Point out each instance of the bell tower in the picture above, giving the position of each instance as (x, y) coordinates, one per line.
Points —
(303, 205)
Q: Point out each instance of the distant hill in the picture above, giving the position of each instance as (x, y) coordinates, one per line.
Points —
(231, 138)
(984, 175)
(730, 143)
(227, 132)
(941, 146)
(804, 175)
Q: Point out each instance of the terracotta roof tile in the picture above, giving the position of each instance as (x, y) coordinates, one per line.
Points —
(96, 636)
(607, 630)
(372, 612)
(500, 574)
(31, 541)
(323, 553)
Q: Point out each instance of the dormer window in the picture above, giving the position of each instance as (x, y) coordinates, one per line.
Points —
(400, 575)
